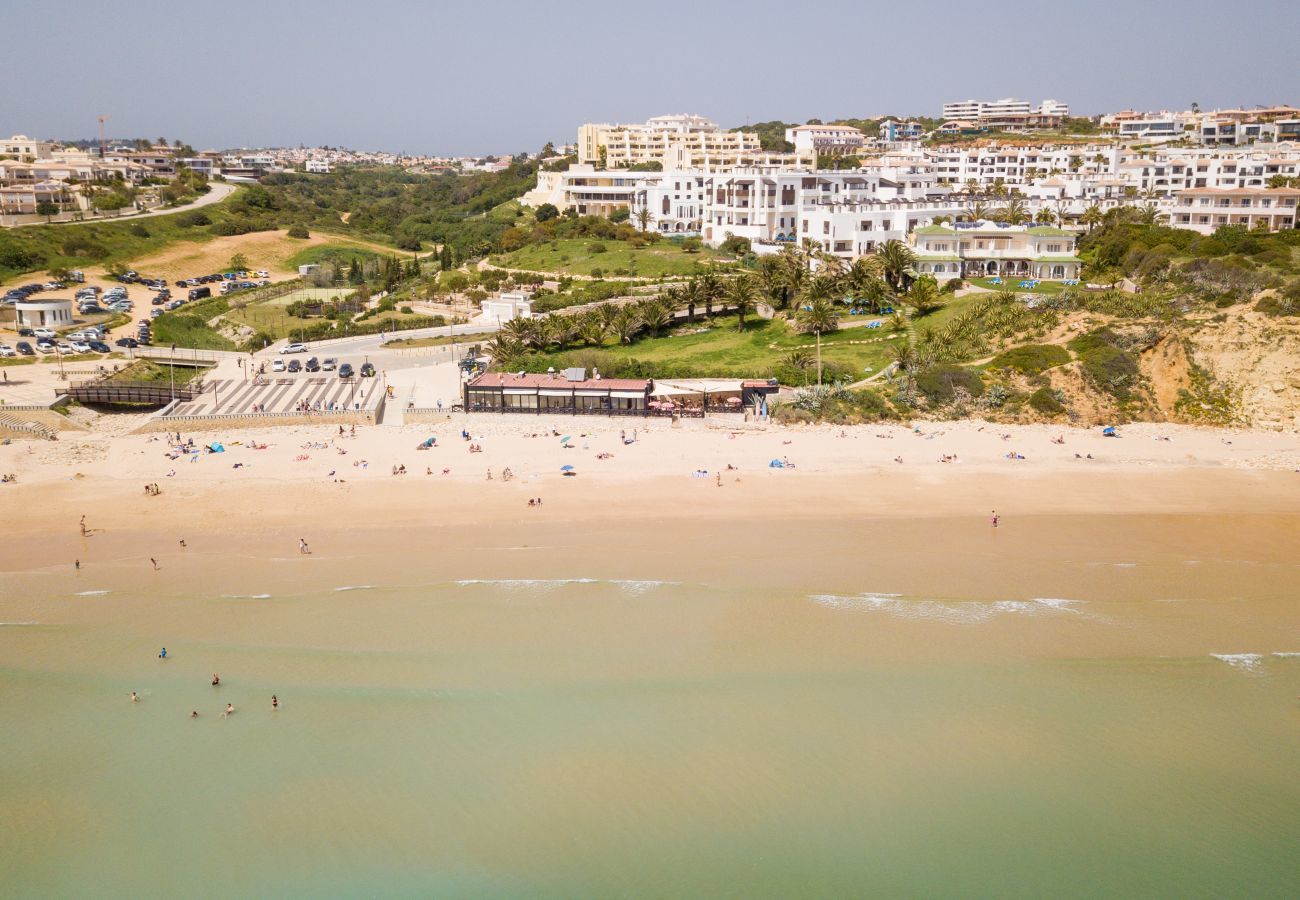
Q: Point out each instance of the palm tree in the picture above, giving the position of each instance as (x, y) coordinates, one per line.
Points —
(1150, 215)
(1092, 216)
(924, 295)
(977, 211)
(742, 293)
(626, 324)
(864, 284)
(770, 278)
(644, 217)
(817, 313)
(1045, 217)
(691, 298)
(654, 315)
(592, 329)
(999, 189)
(794, 272)
(710, 290)
(505, 351)
(1016, 212)
(897, 262)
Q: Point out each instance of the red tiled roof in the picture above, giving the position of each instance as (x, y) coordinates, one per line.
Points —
(513, 380)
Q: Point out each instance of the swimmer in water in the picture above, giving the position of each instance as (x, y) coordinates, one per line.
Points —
(216, 679)
(275, 702)
(230, 709)
(194, 714)
(134, 698)
(162, 654)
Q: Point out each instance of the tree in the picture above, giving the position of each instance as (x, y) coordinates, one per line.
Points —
(644, 217)
(923, 296)
(1092, 216)
(546, 212)
(692, 245)
(654, 314)
(977, 211)
(238, 263)
(817, 313)
(1016, 212)
(742, 293)
(1045, 217)
(897, 262)
(626, 323)
(47, 209)
(445, 261)
(710, 289)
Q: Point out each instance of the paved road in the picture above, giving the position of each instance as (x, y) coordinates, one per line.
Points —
(371, 344)
(219, 191)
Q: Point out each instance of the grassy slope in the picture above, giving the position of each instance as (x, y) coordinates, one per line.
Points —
(117, 240)
(756, 352)
(572, 256)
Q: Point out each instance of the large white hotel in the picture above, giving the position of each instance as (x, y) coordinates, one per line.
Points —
(684, 176)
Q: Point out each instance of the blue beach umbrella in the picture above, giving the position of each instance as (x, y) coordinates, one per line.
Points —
(566, 468)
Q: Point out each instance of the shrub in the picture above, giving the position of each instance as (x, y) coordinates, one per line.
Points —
(193, 219)
(940, 383)
(298, 231)
(1031, 359)
(1110, 367)
(596, 247)
(597, 273)
(1044, 401)
(139, 230)
(405, 310)
(692, 245)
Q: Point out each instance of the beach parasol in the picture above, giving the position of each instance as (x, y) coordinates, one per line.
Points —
(566, 468)
(565, 439)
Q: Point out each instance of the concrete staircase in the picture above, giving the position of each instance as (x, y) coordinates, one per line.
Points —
(12, 426)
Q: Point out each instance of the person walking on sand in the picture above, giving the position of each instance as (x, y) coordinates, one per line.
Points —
(155, 563)
(77, 563)
(83, 526)
(303, 548)
(182, 543)
(993, 518)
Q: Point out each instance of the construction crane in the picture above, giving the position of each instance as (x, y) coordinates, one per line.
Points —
(103, 143)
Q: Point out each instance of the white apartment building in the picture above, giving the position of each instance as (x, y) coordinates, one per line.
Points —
(587, 190)
(675, 142)
(1008, 112)
(21, 147)
(318, 166)
(983, 249)
(825, 140)
(846, 213)
(1205, 209)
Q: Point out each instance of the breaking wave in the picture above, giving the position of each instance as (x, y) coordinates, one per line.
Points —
(92, 593)
(955, 612)
(1246, 662)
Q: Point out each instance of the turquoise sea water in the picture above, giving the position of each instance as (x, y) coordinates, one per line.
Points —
(610, 737)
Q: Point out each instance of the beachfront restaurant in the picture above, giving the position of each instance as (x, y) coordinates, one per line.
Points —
(570, 391)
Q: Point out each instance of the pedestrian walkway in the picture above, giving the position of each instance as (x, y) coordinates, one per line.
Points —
(222, 397)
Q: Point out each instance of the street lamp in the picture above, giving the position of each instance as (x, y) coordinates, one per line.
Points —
(171, 372)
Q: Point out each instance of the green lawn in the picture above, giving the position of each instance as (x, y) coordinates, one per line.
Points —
(343, 252)
(1044, 287)
(720, 350)
(573, 256)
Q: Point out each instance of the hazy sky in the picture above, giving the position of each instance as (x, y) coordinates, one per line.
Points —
(481, 76)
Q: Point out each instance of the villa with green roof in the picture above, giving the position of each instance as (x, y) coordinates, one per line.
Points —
(981, 249)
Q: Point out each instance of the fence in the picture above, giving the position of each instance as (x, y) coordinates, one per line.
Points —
(146, 393)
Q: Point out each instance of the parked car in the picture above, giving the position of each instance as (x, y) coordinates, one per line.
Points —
(155, 313)
(79, 347)
(47, 333)
(6, 350)
(277, 365)
(127, 342)
(99, 347)
(295, 365)
(46, 346)
(329, 364)
(25, 348)
(294, 348)
(54, 285)
(26, 332)
(313, 365)
(199, 293)
(345, 370)
(367, 370)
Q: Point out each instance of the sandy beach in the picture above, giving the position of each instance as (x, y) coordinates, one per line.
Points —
(842, 666)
